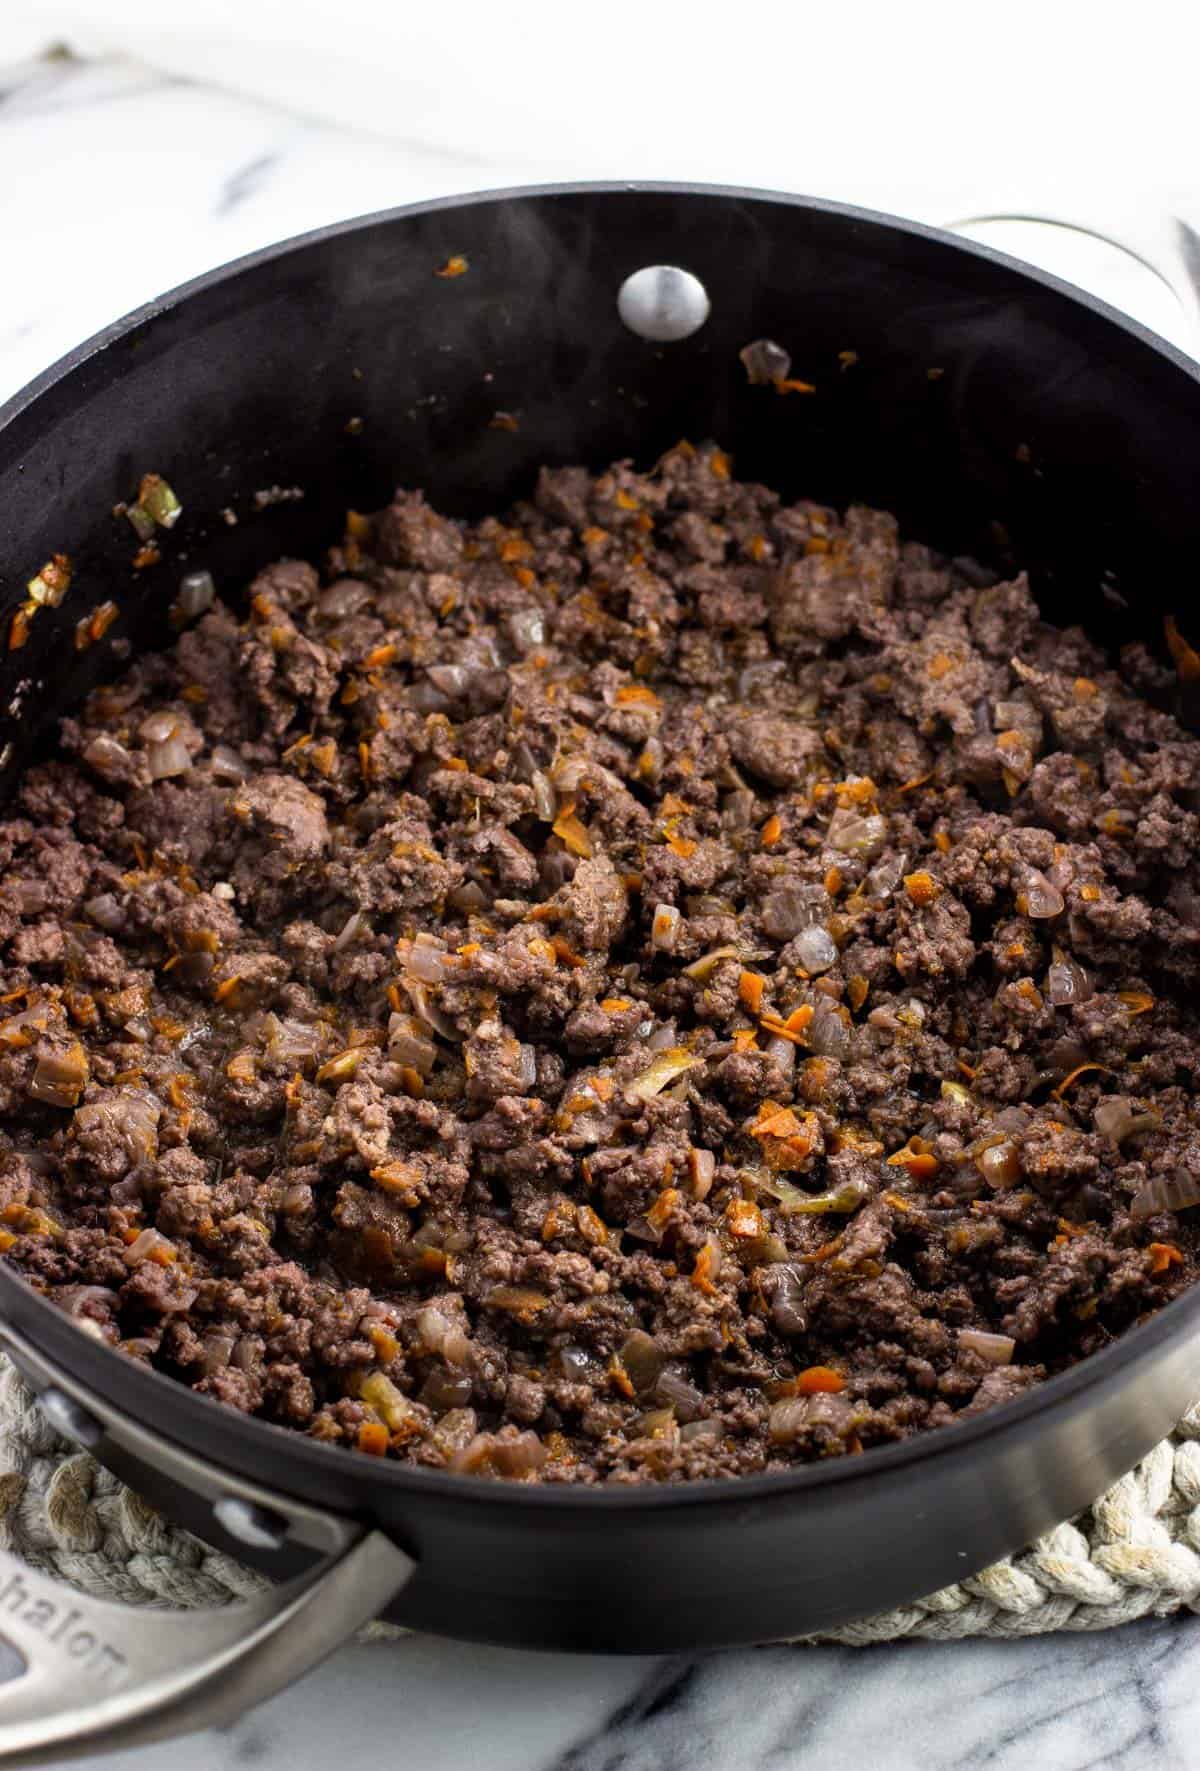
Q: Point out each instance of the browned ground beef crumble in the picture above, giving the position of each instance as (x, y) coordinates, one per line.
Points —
(666, 985)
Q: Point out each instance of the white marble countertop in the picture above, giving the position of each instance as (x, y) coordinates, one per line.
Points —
(116, 183)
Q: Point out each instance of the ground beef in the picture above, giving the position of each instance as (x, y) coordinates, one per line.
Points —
(666, 984)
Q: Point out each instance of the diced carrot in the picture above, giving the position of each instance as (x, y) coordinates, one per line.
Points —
(683, 846)
(1079, 1070)
(1187, 659)
(743, 1219)
(793, 1029)
(705, 1267)
(772, 830)
(750, 989)
(620, 1378)
(1164, 1255)
(659, 1214)
(373, 1438)
(818, 1379)
(570, 832)
(922, 888)
(916, 1157)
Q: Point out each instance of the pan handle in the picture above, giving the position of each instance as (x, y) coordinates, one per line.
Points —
(1164, 243)
(100, 1675)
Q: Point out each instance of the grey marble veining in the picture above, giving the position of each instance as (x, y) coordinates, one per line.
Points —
(1124, 1700)
(88, 232)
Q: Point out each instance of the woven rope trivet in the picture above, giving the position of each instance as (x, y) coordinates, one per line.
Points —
(1135, 1552)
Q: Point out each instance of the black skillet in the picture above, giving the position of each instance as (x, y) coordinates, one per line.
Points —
(1000, 414)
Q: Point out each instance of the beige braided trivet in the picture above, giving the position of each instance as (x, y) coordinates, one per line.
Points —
(1136, 1551)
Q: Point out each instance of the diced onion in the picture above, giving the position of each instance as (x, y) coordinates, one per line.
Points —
(545, 800)
(60, 1077)
(650, 762)
(702, 1166)
(172, 757)
(350, 930)
(429, 1013)
(150, 1245)
(449, 679)
(782, 1053)
(197, 593)
(853, 834)
(1067, 982)
(109, 758)
(788, 1419)
(643, 1359)
(842, 1200)
(526, 629)
(828, 1033)
(997, 1349)
(407, 1044)
(698, 1430)
(673, 1389)
(816, 949)
(664, 929)
(425, 961)
(433, 1328)
(227, 765)
(792, 908)
(218, 1349)
(1000, 1163)
(663, 1071)
(1175, 1192)
(1117, 1118)
(787, 1292)
(883, 879)
(1041, 900)
(291, 1042)
(158, 501)
(105, 912)
(159, 726)
(381, 1394)
(468, 896)
(765, 361)
(703, 968)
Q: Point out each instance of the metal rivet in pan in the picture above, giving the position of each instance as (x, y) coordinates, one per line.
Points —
(70, 1419)
(253, 1525)
(663, 302)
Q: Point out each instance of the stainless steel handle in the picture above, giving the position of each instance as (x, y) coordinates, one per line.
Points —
(100, 1675)
(1165, 244)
